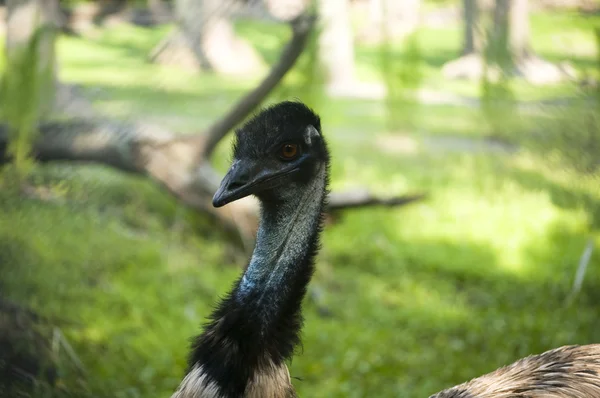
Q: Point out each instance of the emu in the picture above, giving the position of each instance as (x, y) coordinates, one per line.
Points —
(281, 157)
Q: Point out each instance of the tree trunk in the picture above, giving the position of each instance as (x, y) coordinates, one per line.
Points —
(160, 11)
(197, 20)
(470, 64)
(519, 30)
(472, 38)
(511, 49)
(507, 50)
(286, 10)
(499, 50)
(25, 19)
(401, 17)
(336, 47)
(205, 39)
(390, 19)
(376, 14)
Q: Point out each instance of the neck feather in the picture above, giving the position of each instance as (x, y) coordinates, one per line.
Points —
(257, 326)
(282, 262)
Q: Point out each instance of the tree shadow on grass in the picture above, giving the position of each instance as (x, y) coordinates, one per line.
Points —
(110, 290)
(571, 198)
(450, 308)
(28, 364)
(558, 261)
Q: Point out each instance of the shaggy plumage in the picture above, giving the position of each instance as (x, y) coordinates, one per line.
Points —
(565, 372)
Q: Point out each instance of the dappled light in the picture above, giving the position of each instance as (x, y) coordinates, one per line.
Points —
(473, 240)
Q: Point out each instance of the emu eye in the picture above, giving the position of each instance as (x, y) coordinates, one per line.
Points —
(288, 151)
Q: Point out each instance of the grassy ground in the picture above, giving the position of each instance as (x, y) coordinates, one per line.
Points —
(419, 298)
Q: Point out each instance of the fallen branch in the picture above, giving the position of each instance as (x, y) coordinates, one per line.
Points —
(170, 160)
(363, 198)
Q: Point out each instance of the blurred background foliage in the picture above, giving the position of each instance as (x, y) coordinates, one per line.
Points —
(405, 301)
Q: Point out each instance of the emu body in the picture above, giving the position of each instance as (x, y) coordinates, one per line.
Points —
(565, 372)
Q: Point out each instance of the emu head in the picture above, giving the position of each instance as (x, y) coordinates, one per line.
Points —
(276, 154)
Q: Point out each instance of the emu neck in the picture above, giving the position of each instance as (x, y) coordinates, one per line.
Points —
(282, 262)
(256, 327)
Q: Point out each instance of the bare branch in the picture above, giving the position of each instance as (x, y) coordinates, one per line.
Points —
(363, 198)
(301, 28)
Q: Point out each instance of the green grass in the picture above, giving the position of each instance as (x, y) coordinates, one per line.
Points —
(420, 298)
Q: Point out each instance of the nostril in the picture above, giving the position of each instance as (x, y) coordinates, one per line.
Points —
(239, 181)
(235, 185)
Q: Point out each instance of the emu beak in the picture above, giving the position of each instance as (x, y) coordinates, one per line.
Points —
(245, 178)
(236, 184)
